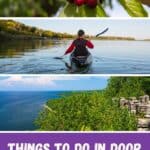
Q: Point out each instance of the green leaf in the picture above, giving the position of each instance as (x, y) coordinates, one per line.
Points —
(97, 12)
(134, 8)
(100, 11)
(71, 10)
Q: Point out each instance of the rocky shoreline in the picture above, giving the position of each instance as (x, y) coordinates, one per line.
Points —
(140, 107)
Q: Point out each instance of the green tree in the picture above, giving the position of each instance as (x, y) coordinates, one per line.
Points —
(145, 82)
(124, 86)
(94, 110)
(84, 111)
(33, 29)
(12, 27)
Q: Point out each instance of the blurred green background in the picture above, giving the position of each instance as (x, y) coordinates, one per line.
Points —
(30, 7)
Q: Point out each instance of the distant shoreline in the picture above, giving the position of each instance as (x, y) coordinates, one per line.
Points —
(4, 36)
(12, 30)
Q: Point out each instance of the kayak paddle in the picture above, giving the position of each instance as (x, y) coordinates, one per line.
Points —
(104, 31)
(61, 57)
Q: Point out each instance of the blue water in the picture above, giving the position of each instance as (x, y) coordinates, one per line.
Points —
(109, 57)
(18, 110)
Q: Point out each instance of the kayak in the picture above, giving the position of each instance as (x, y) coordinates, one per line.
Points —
(81, 63)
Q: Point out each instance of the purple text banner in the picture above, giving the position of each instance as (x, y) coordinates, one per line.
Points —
(75, 141)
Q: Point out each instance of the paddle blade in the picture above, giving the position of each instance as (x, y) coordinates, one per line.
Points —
(58, 57)
(104, 31)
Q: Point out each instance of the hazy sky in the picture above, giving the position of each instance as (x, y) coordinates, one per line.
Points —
(51, 83)
(139, 28)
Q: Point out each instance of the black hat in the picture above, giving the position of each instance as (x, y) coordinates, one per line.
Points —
(81, 32)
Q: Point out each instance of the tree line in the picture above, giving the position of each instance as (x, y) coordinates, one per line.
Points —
(94, 110)
(10, 29)
(16, 28)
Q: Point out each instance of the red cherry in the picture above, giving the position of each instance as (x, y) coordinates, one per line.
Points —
(79, 2)
(91, 3)
(85, 1)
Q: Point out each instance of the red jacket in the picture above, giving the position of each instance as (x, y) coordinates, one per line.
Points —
(72, 46)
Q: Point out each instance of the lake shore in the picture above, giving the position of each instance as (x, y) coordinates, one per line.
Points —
(4, 36)
(12, 30)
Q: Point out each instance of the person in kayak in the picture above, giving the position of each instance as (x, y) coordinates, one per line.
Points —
(79, 45)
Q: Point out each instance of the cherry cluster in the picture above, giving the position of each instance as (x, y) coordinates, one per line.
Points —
(90, 3)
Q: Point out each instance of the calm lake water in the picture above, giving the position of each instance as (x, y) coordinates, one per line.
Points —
(18, 110)
(115, 57)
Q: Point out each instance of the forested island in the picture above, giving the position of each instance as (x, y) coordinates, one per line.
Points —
(12, 30)
(95, 110)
